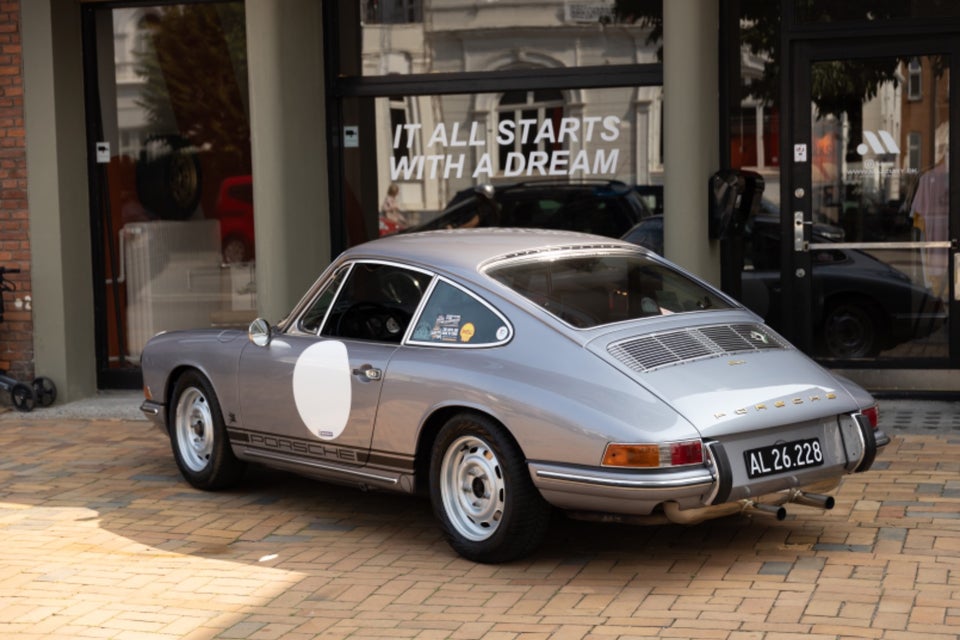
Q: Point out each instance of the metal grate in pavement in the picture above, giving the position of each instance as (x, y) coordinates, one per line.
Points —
(919, 416)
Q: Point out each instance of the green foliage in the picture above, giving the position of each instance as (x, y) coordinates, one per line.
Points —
(195, 71)
(838, 87)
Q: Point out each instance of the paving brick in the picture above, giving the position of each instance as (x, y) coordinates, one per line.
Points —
(103, 540)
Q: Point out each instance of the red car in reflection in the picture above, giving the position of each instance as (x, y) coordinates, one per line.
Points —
(234, 210)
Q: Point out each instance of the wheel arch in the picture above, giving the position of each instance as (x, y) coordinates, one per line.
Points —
(428, 435)
(175, 374)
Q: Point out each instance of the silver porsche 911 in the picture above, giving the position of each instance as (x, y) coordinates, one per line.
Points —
(509, 372)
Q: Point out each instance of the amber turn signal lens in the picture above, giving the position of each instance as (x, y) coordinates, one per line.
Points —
(652, 456)
(632, 455)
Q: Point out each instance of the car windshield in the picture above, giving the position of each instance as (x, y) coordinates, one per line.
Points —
(596, 289)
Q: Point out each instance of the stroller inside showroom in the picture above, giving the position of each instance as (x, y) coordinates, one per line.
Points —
(23, 396)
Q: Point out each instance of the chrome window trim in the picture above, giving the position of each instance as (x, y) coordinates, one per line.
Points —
(301, 310)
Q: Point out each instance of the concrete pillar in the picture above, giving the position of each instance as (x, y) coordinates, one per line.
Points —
(691, 124)
(61, 267)
(287, 120)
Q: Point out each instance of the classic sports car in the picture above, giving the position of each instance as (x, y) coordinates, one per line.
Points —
(506, 372)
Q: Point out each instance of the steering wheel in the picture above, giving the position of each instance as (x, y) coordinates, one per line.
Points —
(371, 321)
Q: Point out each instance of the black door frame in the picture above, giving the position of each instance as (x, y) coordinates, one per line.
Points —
(99, 202)
(795, 194)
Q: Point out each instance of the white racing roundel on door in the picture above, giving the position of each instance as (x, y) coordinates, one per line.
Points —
(321, 388)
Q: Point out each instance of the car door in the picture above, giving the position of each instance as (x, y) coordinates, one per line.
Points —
(313, 390)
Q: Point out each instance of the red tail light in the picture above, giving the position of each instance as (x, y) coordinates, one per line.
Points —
(690, 452)
(873, 415)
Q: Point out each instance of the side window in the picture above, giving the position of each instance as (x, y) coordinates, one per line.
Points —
(376, 302)
(311, 320)
(454, 317)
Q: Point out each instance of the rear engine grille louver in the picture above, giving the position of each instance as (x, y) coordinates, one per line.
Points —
(675, 347)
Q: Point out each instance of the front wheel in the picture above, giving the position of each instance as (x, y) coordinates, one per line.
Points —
(22, 397)
(199, 436)
(482, 493)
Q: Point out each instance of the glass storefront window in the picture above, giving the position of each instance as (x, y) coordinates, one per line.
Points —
(546, 158)
(174, 184)
(880, 184)
(431, 36)
(755, 100)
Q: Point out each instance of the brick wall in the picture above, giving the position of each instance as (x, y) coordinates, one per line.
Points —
(16, 331)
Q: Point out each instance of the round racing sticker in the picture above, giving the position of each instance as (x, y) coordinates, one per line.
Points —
(321, 389)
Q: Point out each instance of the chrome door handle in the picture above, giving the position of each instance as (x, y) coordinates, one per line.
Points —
(368, 372)
(799, 244)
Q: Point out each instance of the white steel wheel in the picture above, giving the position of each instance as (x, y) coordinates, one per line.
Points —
(194, 435)
(201, 445)
(473, 488)
(482, 493)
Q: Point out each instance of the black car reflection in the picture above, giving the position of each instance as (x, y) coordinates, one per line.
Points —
(603, 207)
(862, 305)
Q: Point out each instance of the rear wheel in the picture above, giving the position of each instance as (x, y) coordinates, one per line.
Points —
(851, 329)
(44, 390)
(199, 437)
(482, 493)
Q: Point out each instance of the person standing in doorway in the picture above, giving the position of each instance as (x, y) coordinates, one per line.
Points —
(392, 218)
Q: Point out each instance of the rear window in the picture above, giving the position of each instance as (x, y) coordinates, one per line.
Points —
(587, 291)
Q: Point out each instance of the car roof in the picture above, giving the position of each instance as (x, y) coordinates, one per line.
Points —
(463, 250)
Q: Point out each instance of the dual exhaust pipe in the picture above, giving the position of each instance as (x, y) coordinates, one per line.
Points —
(795, 496)
(673, 513)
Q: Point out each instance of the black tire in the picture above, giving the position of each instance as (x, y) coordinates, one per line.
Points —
(482, 494)
(869, 448)
(852, 329)
(168, 178)
(21, 395)
(44, 391)
(199, 437)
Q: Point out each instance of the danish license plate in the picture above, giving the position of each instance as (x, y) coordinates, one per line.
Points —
(783, 457)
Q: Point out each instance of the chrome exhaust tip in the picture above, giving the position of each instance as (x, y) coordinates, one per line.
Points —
(776, 511)
(812, 500)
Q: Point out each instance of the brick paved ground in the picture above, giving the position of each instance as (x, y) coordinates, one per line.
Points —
(101, 539)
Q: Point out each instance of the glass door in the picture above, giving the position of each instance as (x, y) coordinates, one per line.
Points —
(171, 190)
(872, 224)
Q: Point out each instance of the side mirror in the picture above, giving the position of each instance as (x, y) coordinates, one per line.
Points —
(260, 332)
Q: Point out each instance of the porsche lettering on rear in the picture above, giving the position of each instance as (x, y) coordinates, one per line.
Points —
(778, 404)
